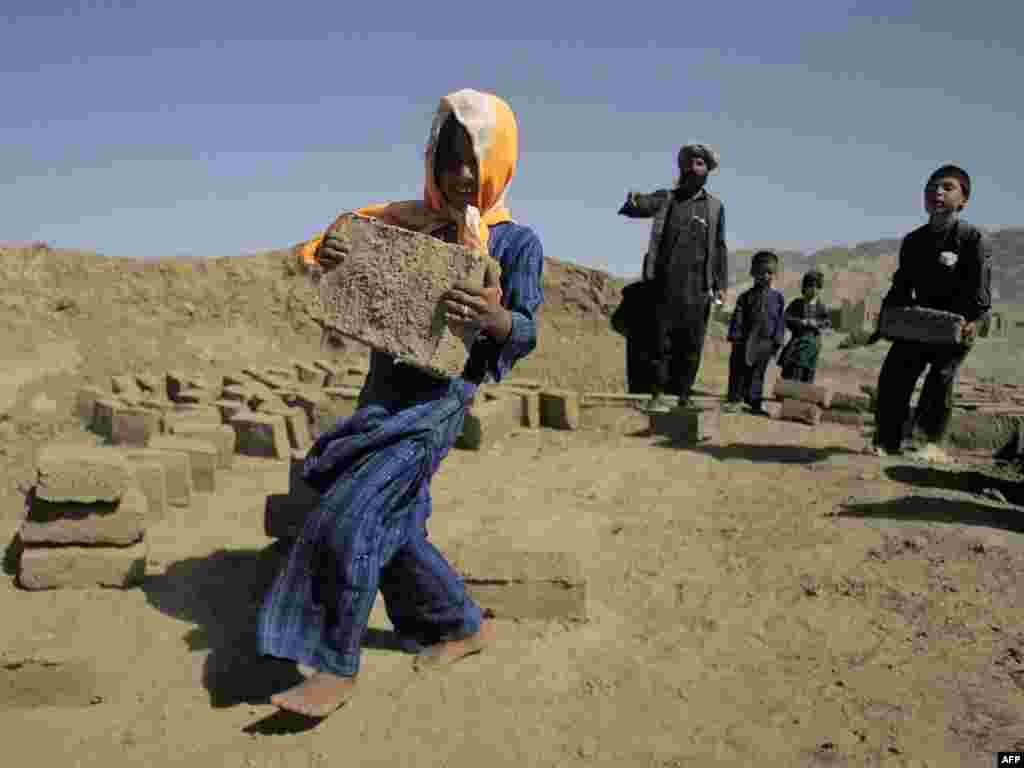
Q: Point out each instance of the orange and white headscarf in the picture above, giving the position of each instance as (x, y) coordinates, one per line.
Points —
(492, 129)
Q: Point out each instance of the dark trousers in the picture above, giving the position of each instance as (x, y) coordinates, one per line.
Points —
(798, 373)
(640, 372)
(680, 332)
(902, 368)
(746, 382)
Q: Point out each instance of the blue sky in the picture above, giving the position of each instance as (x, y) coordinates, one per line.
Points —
(218, 128)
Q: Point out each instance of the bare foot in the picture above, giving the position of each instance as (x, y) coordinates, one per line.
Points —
(317, 696)
(448, 652)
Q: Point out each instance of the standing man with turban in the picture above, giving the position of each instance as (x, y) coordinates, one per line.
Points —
(687, 262)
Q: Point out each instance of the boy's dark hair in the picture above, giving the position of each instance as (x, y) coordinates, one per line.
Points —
(814, 277)
(764, 258)
(956, 172)
(444, 150)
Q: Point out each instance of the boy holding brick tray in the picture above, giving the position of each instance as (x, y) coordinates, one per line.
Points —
(374, 468)
(943, 265)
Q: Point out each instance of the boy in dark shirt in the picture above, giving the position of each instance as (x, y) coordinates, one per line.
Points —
(943, 265)
(755, 332)
(806, 317)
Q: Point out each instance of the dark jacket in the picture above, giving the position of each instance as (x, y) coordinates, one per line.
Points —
(922, 280)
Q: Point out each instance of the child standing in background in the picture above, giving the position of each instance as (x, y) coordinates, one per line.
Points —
(806, 317)
(756, 331)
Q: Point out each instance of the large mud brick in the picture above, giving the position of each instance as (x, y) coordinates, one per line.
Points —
(681, 425)
(800, 411)
(386, 293)
(221, 436)
(818, 394)
(614, 412)
(846, 418)
(177, 471)
(236, 379)
(112, 523)
(530, 400)
(85, 403)
(309, 374)
(135, 426)
(523, 584)
(490, 421)
(288, 375)
(559, 409)
(299, 438)
(82, 473)
(930, 326)
(151, 480)
(103, 416)
(194, 396)
(82, 567)
(262, 435)
(202, 458)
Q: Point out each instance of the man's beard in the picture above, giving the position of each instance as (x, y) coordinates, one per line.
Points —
(691, 183)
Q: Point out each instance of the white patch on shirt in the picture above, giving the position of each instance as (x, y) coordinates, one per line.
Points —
(948, 258)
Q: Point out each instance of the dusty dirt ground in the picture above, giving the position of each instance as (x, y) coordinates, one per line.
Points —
(770, 597)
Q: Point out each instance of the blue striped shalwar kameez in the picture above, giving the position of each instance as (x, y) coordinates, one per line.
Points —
(373, 470)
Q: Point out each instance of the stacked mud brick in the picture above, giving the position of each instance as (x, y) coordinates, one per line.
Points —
(85, 521)
(813, 403)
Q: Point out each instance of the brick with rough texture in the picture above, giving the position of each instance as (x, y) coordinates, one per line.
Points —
(800, 411)
(930, 326)
(523, 584)
(82, 567)
(559, 409)
(202, 458)
(516, 382)
(151, 479)
(262, 435)
(135, 425)
(195, 396)
(112, 523)
(614, 411)
(237, 392)
(387, 291)
(490, 421)
(236, 379)
(818, 394)
(221, 436)
(260, 377)
(312, 403)
(85, 403)
(83, 473)
(177, 471)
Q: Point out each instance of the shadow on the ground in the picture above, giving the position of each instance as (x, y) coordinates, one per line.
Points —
(929, 509)
(954, 480)
(774, 454)
(221, 594)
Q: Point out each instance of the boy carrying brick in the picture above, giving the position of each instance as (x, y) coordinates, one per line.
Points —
(943, 265)
(756, 331)
(806, 318)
